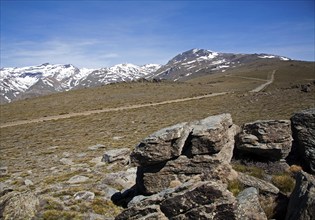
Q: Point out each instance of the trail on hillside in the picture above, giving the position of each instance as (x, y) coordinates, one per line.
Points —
(263, 86)
(85, 113)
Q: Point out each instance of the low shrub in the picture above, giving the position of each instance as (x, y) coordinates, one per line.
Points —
(235, 187)
(284, 182)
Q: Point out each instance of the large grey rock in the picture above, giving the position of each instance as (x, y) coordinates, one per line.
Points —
(259, 184)
(303, 127)
(201, 200)
(269, 139)
(302, 200)
(208, 159)
(248, 206)
(161, 146)
(16, 205)
(209, 135)
(153, 179)
(117, 155)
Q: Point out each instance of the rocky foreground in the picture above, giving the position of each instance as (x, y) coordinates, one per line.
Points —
(199, 170)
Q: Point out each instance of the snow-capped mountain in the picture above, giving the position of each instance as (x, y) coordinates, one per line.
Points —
(194, 61)
(47, 78)
(17, 83)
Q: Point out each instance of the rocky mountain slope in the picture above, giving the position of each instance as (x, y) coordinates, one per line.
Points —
(19, 83)
(198, 61)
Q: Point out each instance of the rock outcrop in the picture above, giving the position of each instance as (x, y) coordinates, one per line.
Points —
(268, 140)
(183, 172)
(302, 201)
(303, 128)
(178, 153)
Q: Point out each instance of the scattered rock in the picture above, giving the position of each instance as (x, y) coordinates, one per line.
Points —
(97, 161)
(4, 189)
(78, 179)
(117, 138)
(96, 147)
(302, 200)
(306, 87)
(28, 182)
(84, 195)
(248, 206)
(66, 161)
(3, 171)
(16, 205)
(66, 154)
(117, 155)
(262, 185)
(269, 139)
(303, 128)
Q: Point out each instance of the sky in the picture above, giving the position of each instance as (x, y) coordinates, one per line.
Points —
(96, 34)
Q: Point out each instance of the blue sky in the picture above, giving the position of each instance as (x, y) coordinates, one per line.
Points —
(96, 34)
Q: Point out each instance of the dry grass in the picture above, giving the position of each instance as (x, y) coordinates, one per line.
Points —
(38, 147)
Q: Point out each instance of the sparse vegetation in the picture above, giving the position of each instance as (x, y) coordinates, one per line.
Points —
(284, 182)
(38, 147)
(250, 170)
(235, 187)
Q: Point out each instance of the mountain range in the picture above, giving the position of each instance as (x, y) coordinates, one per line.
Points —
(18, 83)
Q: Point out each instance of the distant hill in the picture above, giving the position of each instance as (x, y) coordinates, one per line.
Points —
(32, 81)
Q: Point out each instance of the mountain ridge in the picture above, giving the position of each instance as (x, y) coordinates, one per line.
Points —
(19, 83)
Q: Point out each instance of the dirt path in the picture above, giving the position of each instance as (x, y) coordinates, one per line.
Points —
(262, 86)
(85, 113)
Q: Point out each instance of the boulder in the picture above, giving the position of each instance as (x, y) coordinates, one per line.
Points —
(209, 136)
(200, 200)
(248, 206)
(161, 146)
(117, 155)
(18, 205)
(210, 164)
(302, 200)
(303, 128)
(266, 140)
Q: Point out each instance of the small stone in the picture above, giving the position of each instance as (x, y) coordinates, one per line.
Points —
(117, 155)
(28, 182)
(66, 161)
(96, 147)
(78, 179)
(84, 195)
(3, 171)
(117, 138)
(66, 154)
